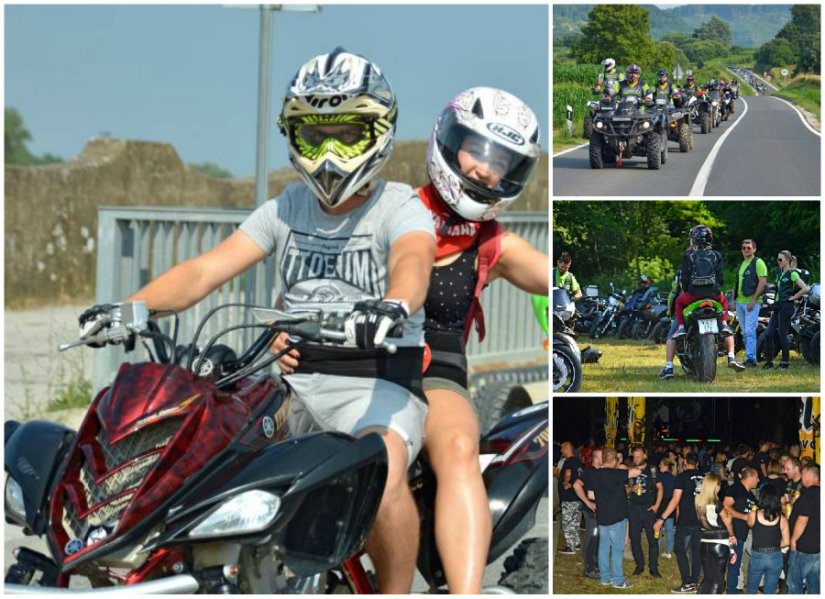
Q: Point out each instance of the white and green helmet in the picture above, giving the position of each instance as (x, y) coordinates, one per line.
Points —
(500, 121)
(338, 88)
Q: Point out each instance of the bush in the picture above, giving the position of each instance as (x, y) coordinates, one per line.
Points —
(576, 96)
(583, 74)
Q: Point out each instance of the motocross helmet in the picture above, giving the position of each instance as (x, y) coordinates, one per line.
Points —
(701, 236)
(485, 128)
(339, 118)
(632, 73)
(662, 75)
(609, 64)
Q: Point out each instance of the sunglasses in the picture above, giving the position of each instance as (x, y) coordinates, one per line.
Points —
(747, 247)
(780, 259)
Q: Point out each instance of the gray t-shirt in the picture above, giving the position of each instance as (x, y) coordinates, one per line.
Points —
(330, 262)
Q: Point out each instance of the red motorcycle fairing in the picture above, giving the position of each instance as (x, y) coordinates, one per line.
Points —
(115, 479)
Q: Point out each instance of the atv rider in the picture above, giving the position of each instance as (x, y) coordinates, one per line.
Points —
(632, 86)
(475, 174)
(702, 277)
(664, 89)
(339, 118)
(609, 78)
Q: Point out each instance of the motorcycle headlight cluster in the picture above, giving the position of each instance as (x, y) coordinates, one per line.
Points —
(246, 513)
(14, 504)
(714, 103)
(599, 125)
(646, 125)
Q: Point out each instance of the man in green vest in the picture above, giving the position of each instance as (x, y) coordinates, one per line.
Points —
(562, 277)
(750, 284)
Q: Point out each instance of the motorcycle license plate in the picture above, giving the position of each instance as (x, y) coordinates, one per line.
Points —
(708, 325)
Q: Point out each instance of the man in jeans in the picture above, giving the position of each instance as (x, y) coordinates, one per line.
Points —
(584, 489)
(751, 280)
(611, 514)
(645, 498)
(688, 529)
(803, 567)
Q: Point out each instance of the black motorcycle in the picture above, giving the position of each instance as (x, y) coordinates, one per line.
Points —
(567, 359)
(184, 476)
(608, 323)
(653, 313)
(698, 349)
(809, 326)
(623, 130)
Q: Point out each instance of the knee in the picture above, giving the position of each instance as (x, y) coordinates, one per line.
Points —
(458, 455)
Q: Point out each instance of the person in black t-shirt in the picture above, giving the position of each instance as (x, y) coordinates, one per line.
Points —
(584, 489)
(740, 501)
(688, 530)
(571, 507)
(741, 460)
(762, 459)
(645, 497)
(803, 566)
(611, 514)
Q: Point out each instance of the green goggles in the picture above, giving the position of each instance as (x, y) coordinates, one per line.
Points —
(344, 135)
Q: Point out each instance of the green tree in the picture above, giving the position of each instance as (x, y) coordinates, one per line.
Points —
(15, 138)
(621, 31)
(211, 169)
(775, 53)
(715, 30)
(802, 34)
(700, 51)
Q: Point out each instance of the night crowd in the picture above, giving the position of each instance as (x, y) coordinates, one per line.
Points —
(735, 518)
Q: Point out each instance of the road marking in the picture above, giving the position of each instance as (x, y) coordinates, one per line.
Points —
(702, 177)
(571, 149)
(801, 116)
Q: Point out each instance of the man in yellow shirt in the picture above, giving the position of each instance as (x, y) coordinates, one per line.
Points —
(562, 277)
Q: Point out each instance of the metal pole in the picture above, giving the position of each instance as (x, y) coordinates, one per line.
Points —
(264, 112)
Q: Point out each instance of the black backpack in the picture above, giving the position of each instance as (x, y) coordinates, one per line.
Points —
(703, 281)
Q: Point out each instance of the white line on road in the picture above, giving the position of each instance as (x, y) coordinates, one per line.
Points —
(702, 177)
(571, 149)
(801, 116)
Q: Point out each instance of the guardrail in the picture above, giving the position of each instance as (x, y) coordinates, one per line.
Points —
(135, 245)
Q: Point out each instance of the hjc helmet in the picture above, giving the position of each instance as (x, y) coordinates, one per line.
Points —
(504, 129)
(338, 88)
(701, 236)
(608, 64)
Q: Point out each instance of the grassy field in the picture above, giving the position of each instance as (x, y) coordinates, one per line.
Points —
(633, 366)
(804, 91)
(568, 575)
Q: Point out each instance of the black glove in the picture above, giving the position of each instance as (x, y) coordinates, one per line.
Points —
(371, 321)
(93, 320)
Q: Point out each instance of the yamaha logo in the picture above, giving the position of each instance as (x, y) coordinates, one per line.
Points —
(73, 546)
(268, 427)
(507, 133)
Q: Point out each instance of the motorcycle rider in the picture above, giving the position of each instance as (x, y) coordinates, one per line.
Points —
(610, 76)
(339, 118)
(664, 89)
(562, 277)
(670, 343)
(475, 174)
(632, 86)
(727, 93)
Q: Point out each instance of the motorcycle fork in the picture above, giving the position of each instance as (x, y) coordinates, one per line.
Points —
(357, 576)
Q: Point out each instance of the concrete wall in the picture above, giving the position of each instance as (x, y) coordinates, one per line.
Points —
(51, 211)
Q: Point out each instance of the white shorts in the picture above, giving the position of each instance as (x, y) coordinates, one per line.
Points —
(352, 404)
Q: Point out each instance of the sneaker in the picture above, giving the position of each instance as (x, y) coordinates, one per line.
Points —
(726, 330)
(624, 585)
(680, 332)
(685, 588)
(667, 373)
(732, 363)
(604, 584)
(749, 363)
(567, 550)
(666, 555)
(783, 366)
(767, 366)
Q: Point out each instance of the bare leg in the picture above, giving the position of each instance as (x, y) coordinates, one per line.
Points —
(463, 525)
(670, 350)
(393, 542)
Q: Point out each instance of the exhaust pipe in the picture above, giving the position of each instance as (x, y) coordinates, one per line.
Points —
(182, 584)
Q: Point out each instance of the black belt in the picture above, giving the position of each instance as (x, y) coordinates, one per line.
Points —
(402, 368)
(765, 549)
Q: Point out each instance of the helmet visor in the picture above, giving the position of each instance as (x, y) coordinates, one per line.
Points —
(489, 170)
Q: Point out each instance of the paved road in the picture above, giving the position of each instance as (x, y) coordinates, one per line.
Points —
(33, 369)
(768, 152)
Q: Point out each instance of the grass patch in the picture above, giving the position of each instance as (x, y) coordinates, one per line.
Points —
(805, 92)
(76, 393)
(632, 366)
(568, 574)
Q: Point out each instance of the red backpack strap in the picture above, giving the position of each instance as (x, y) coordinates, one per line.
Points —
(489, 251)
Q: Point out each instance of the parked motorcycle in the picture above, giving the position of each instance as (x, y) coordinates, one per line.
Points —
(567, 360)
(697, 350)
(184, 476)
(809, 326)
(608, 322)
(652, 314)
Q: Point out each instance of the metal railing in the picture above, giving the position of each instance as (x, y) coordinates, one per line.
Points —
(135, 245)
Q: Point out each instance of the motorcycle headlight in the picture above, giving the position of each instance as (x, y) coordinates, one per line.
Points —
(714, 103)
(246, 513)
(646, 125)
(15, 506)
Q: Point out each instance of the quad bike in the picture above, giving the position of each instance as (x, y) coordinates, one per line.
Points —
(623, 130)
(184, 477)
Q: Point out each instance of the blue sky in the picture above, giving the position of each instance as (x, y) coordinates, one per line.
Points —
(188, 75)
